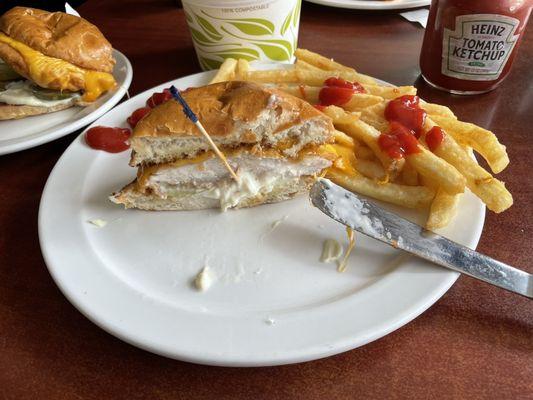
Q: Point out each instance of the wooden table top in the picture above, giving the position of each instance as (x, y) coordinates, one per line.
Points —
(476, 342)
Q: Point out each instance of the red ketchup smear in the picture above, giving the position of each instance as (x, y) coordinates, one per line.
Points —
(155, 99)
(406, 110)
(320, 107)
(434, 137)
(112, 140)
(406, 120)
(159, 98)
(399, 141)
(137, 115)
(337, 91)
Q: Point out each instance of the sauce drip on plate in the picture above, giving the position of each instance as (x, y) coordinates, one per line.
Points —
(112, 140)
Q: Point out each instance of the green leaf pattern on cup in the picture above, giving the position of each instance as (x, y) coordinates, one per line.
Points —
(200, 38)
(287, 23)
(274, 49)
(247, 54)
(266, 24)
(249, 28)
(208, 29)
(274, 52)
(296, 13)
(256, 38)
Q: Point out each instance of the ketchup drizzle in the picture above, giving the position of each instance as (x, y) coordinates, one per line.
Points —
(112, 140)
(406, 120)
(337, 91)
(434, 137)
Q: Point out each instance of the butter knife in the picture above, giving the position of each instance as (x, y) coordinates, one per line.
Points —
(365, 217)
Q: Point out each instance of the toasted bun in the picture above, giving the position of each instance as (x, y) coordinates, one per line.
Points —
(16, 112)
(58, 35)
(131, 198)
(233, 113)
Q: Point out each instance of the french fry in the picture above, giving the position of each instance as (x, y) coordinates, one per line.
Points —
(436, 109)
(243, 66)
(341, 117)
(309, 77)
(443, 209)
(350, 124)
(481, 140)
(307, 93)
(389, 92)
(364, 152)
(444, 174)
(343, 139)
(226, 71)
(371, 169)
(409, 175)
(402, 195)
(305, 65)
(328, 64)
(293, 75)
(320, 61)
(374, 116)
(360, 101)
(489, 189)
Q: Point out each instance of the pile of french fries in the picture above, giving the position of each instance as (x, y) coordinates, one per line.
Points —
(426, 179)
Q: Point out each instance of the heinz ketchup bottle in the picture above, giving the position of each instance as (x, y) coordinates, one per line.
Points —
(469, 45)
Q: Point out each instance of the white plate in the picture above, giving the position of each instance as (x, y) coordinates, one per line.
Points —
(373, 4)
(273, 302)
(16, 135)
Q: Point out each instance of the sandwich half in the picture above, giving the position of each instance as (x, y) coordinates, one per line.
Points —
(50, 61)
(275, 142)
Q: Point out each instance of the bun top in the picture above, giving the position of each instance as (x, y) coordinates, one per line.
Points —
(60, 35)
(224, 108)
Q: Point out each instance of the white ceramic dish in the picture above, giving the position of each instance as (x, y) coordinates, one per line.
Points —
(373, 4)
(16, 135)
(272, 303)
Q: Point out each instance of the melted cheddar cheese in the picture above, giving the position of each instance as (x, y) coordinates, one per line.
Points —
(345, 157)
(44, 70)
(143, 173)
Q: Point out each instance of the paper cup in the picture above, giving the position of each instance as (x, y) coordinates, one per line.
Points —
(265, 30)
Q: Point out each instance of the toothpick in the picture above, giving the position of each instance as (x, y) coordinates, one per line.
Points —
(194, 118)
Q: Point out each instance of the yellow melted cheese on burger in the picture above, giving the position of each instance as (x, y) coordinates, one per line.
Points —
(143, 173)
(44, 70)
(344, 157)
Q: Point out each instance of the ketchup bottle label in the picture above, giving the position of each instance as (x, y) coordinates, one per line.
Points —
(479, 47)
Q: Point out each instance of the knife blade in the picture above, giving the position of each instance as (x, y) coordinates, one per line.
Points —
(363, 216)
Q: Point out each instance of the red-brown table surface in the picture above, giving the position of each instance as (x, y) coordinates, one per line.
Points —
(476, 342)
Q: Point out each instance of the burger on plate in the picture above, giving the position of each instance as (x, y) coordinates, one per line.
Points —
(50, 62)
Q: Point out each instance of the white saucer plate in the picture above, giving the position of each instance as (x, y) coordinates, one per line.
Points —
(373, 4)
(21, 134)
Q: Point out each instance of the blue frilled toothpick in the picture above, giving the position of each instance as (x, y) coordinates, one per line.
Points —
(194, 118)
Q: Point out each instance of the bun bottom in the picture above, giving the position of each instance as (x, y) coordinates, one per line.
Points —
(8, 111)
(282, 190)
